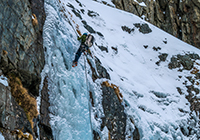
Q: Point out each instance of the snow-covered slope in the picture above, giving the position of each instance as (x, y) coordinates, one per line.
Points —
(149, 88)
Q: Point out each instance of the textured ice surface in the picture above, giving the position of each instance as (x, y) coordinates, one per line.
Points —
(68, 92)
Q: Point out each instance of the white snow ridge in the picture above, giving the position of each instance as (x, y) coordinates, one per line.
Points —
(139, 58)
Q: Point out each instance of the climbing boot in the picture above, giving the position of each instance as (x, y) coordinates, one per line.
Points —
(74, 64)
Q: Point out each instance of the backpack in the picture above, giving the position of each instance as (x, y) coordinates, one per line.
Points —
(89, 40)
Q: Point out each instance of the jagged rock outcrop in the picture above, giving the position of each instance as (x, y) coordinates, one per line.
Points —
(21, 42)
(115, 117)
(179, 18)
(12, 117)
(22, 58)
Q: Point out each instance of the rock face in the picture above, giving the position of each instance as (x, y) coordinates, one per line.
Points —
(12, 116)
(115, 117)
(22, 56)
(180, 18)
(21, 43)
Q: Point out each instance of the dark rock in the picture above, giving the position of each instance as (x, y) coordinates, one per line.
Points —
(127, 29)
(77, 13)
(7, 120)
(94, 74)
(45, 132)
(144, 28)
(45, 127)
(79, 3)
(194, 56)
(115, 49)
(92, 13)
(22, 122)
(179, 91)
(156, 48)
(102, 48)
(136, 134)
(190, 79)
(165, 41)
(23, 43)
(96, 135)
(89, 28)
(8, 135)
(70, 5)
(158, 63)
(115, 117)
(83, 11)
(163, 56)
(101, 70)
(12, 116)
(160, 94)
(174, 63)
(197, 75)
(137, 25)
(100, 34)
(32, 84)
(186, 61)
(91, 99)
(194, 106)
(145, 46)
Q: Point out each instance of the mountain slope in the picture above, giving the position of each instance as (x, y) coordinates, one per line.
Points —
(150, 68)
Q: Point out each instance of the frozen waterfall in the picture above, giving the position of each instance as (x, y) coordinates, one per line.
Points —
(68, 91)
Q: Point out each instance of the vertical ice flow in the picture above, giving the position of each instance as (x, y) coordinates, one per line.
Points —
(68, 92)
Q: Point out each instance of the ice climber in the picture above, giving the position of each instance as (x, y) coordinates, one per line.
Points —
(86, 42)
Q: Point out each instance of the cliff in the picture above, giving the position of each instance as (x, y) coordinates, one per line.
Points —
(21, 61)
(179, 18)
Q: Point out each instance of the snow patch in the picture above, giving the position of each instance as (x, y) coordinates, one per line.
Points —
(4, 80)
(1, 136)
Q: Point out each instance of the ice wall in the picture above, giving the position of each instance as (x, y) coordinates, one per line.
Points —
(70, 118)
